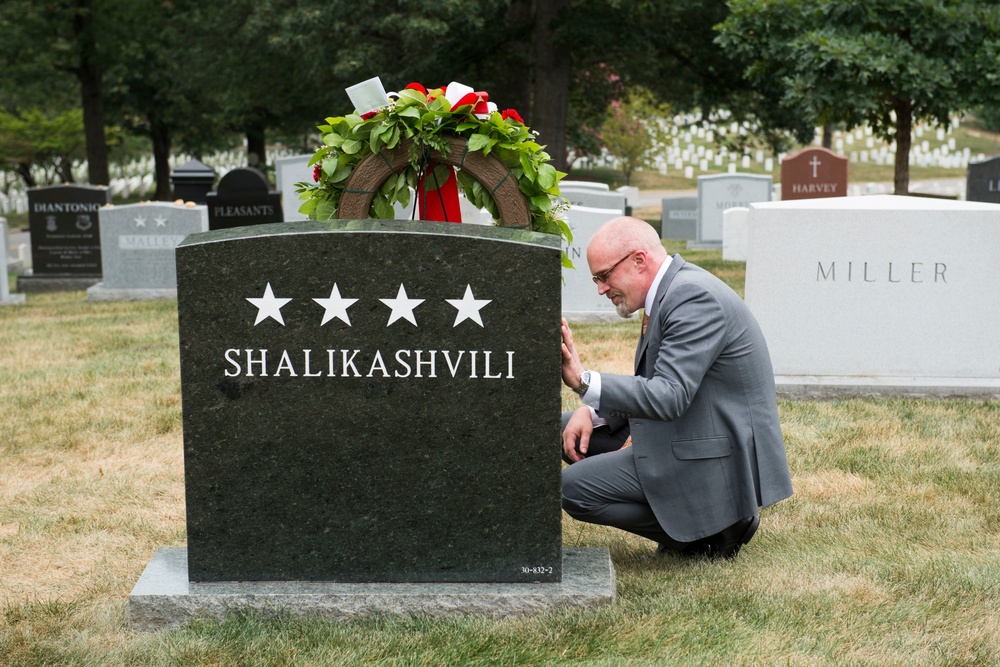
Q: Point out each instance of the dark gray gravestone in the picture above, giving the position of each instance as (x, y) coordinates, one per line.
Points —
(65, 237)
(371, 401)
(193, 181)
(983, 181)
(679, 218)
(243, 198)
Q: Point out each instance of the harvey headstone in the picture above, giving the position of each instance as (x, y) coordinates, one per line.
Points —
(983, 181)
(137, 249)
(718, 192)
(243, 198)
(65, 237)
(287, 172)
(878, 294)
(679, 218)
(812, 173)
(348, 430)
(580, 300)
(6, 298)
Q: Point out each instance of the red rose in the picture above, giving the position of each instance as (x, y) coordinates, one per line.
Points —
(416, 86)
(512, 113)
(369, 114)
(317, 172)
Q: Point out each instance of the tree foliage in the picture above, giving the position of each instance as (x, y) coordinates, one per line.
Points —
(886, 63)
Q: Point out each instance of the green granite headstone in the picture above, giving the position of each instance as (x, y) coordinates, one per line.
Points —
(371, 401)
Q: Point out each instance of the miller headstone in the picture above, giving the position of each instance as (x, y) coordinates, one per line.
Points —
(718, 192)
(243, 198)
(878, 294)
(983, 181)
(368, 438)
(679, 218)
(287, 172)
(137, 249)
(580, 300)
(813, 173)
(6, 298)
(65, 237)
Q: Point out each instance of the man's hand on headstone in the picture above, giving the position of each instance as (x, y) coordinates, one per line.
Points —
(572, 369)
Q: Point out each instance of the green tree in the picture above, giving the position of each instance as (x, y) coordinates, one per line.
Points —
(30, 138)
(885, 63)
(632, 130)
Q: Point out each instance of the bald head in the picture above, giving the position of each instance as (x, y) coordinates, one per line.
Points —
(620, 236)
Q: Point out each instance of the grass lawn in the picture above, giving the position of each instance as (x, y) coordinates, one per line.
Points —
(887, 554)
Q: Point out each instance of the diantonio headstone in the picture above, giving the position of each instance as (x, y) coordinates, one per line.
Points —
(65, 236)
(243, 198)
(371, 401)
(983, 181)
(137, 249)
(813, 173)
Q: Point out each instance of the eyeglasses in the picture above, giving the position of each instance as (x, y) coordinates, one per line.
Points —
(603, 276)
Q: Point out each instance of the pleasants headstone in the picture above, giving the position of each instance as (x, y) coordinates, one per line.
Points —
(718, 192)
(580, 299)
(812, 173)
(243, 198)
(65, 237)
(679, 218)
(371, 417)
(6, 298)
(983, 181)
(287, 172)
(878, 294)
(137, 249)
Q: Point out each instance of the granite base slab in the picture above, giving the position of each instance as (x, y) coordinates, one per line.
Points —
(13, 300)
(835, 386)
(163, 597)
(33, 284)
(100, 292)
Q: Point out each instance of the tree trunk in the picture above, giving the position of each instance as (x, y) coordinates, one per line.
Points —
(552, 73)
(89, 74)
(828, 136)
(904, 138)
(256, 148)
(161, 160)
(24, 169)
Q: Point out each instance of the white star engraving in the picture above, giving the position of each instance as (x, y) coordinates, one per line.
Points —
(140, 221)
(336, 306)
(468, 307)
(160, 221)
(402, 306)
(268, 306)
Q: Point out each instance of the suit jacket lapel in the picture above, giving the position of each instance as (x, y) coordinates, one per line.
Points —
(653, 330)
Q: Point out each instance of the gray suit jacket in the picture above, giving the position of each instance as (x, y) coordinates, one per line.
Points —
(702, 409)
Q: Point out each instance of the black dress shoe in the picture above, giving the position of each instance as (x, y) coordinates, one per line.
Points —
(727, 543)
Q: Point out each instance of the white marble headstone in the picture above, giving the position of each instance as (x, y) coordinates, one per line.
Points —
(137, 249)
(584, 185)
(6, 298)
(580, 300)
(287, 172)
(718, 192)
(878, 294)
(594, 199)
(734, 234)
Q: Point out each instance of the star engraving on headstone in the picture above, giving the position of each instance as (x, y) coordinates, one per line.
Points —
(468, 307)
(140, 222)
(160, 221)
(268, 306)
(402, 307)
(336, 306)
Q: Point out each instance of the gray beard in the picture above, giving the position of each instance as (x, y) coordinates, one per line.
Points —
(623, 311)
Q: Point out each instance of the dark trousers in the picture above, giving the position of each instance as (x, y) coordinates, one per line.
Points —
(604, 488)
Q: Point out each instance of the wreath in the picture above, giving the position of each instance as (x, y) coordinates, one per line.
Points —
(424, 124)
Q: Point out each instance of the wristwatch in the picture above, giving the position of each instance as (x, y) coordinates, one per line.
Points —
(584, 384)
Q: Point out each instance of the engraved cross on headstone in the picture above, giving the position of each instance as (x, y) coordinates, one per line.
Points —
(815, 163)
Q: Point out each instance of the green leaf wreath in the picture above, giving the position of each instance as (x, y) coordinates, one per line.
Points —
(426, 118)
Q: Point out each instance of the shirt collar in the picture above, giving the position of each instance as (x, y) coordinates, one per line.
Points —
(651, 294)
